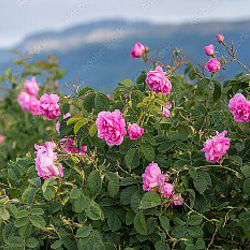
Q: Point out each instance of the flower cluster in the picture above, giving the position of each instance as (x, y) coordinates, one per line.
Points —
(46, 164)
(49, 106)
(153, 178)
(28, 99)
(240, 108)
(158, 82)
(215, 147)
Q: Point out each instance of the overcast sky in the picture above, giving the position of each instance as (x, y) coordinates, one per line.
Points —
(21, 17)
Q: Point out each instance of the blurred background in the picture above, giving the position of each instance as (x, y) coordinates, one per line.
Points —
(92, 39)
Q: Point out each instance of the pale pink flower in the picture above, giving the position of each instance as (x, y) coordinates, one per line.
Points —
(49, 106)
(1, 139)
(158, 82)
(220, 38)
(153, 177)
(109, 96)
(169, 105)
(240, 108)
(166, 189)
(23, 100)
(176, 200)
(209, 49)
(137, 51)
(213, 65)
(134, 131)
(34, 106)
(111, 127)
(165, 112)
(31, 87)
(46, 161)
(215, 147)
(58, 123)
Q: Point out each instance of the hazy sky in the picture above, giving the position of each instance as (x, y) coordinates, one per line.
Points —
(21, 17)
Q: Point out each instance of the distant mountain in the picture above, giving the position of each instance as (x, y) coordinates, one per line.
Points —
(98, 52)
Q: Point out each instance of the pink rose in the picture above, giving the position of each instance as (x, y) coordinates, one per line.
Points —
(23, 100)
(165, 112)
(134, 131)
(176, 200)
(31, 87)
(58, 123)
(49, 106)
(33, 106)
(109, 96)
(111, 127)
(220, 38)
(166, 189)
(46, 158)
(69, 145)
(169, 105)
(1, 139)
(137, 51)
(158, 82)
(215, 147)
(209, 49)
(213, 65)
(153, 177)
(240, 108)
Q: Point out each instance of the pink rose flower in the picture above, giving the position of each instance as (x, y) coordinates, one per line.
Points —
(46, 158)
(58, 123)
(213, 65)
(137, 51)
(209, 49)
(240, 108)
(158, 82)
(1, 139)
(169, 105)
(111, 127)
(23, 100)
(49, 106)
(109, 96)
(176, 200)
(69, 146)
(220, 38)
(134, 131)
(166, 189)
(31, 87)
(165, 112)
(33, 106)
(153, 177)
(215, 147)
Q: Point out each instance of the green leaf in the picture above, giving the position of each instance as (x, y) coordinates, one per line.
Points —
(31, 196)
(92, 130)
(101, 102)
(94, 182)
(35, 181)
(245, 170)
(165, 223)
(114, 222)
(32, 242)
(56, 244)
(16, 242)
(4, 213)
(84, 231)
(217, 91)
(246, 186)
(94, 211)
(113, 184)
(149, 200)
(21, 222)
(80, 204)
(126, 194)
(131, 158)
(65, 108)
(37, 221)
(127, 83)
(37, 211)
(80, 124)
(202, 181)
(75, 193)
(148, 151)
(195, 220)
(140, 223)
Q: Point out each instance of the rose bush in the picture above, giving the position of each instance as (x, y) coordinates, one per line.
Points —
(123, 174)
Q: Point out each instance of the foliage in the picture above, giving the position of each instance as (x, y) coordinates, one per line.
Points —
(100, 203)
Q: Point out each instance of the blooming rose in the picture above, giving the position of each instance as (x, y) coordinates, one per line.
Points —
(134, 131)
(111, 127)
(49, 106)
(153, 177)
(220, 38)
(176, 200)
(1, 139)
(213, 65)
(215, 147)
(209, 49)
(58, 123)
(46, 165)
(158, 82)
(23, 100)
(33, 106)
(240, 108)
(137, 51)
(31, 87)
(166, 111)
(166, 189)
